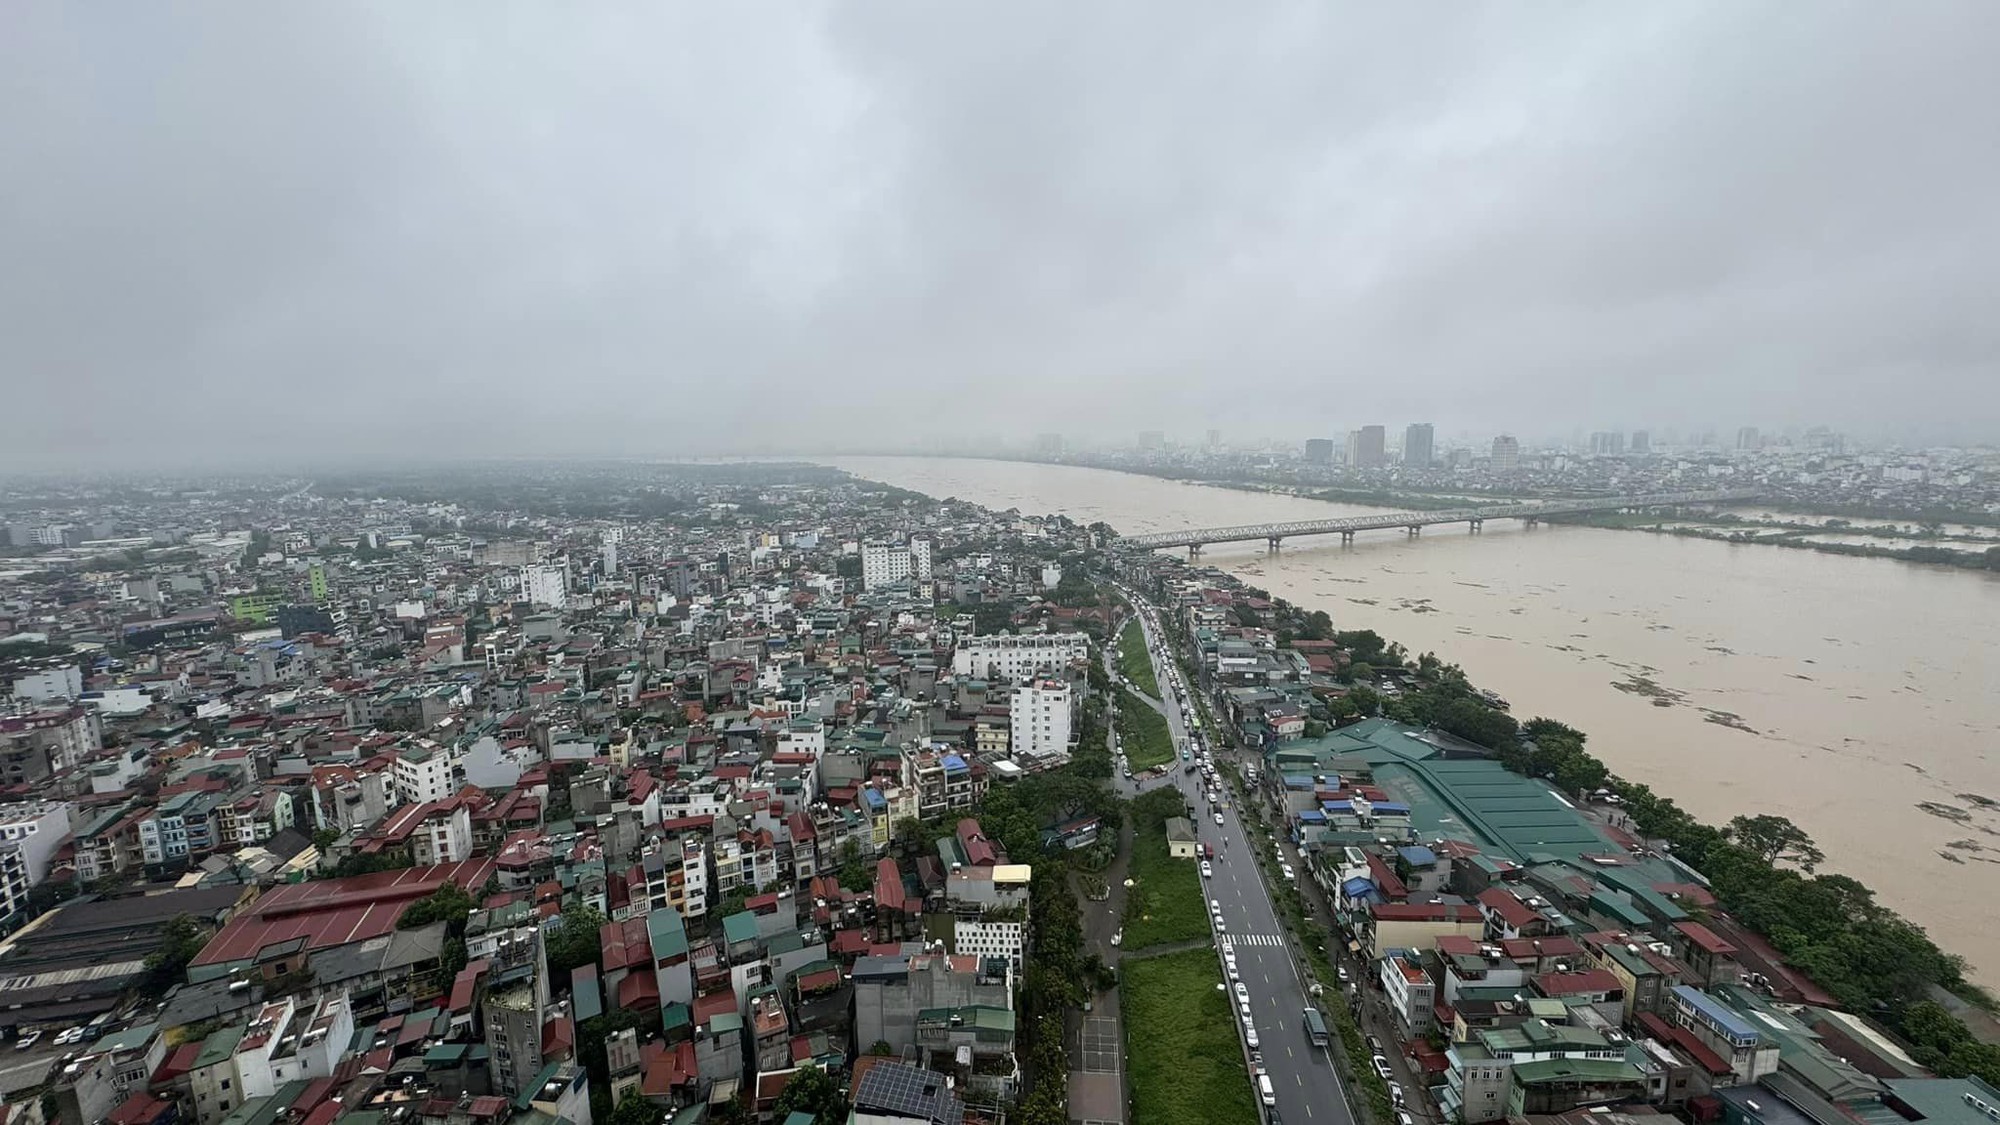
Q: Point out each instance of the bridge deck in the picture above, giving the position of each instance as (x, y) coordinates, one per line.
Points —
(1201, 537)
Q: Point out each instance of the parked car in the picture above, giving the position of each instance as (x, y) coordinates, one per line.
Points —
(27, 1041)
(1381, 1065)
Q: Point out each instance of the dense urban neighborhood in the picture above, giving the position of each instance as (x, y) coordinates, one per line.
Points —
(625, 795)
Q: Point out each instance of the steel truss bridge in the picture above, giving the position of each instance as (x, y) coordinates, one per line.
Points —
(1194, 539)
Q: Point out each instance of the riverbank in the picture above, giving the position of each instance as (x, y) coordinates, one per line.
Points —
(1851, 695)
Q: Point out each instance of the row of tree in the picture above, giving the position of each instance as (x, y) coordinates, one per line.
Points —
(1762, 869)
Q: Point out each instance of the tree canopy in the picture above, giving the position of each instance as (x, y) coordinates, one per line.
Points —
(811, 1090)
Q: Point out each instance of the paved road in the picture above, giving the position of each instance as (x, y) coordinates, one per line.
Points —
(1307, 1087)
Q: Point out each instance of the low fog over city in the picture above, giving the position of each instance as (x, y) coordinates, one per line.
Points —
(317, 233)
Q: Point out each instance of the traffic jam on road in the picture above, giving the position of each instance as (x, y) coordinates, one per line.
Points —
(1284, 1036)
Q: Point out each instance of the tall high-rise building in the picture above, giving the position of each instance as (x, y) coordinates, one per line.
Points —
(1417, 452)
(1749, 439)
(1506, 453)
(1214, 440)
(1367, 447)
(1606, 443)
(546, 585)
(1049, 445)
(1642, 442)
(1152, 440)
(1319, 450)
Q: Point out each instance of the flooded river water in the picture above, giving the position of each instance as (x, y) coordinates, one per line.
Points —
(1859, 697)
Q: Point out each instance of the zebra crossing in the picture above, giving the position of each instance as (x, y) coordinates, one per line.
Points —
(1256, 939)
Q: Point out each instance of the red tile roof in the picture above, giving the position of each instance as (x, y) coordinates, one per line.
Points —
(889, 886)
(1511, 910)
(1705, 938)
(334, 912)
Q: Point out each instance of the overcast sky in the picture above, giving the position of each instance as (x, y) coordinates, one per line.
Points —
(333, 230)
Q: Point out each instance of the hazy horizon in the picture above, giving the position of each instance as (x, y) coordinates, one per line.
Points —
(433, 232)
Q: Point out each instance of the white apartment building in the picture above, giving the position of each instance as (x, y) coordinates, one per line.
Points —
(1038, 718)
(30, 835)
(884, 564)
(1015, 658)
(545, 585)
(989, 908)
(445, 836)
(425, 773)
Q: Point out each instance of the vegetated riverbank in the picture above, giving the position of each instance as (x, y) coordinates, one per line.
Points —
(1846, 694)
(1792, 534)
(1760, 868)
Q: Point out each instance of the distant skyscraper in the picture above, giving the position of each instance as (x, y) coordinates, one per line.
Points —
(1506, 453)
(1417, 445)
(1642, 442)
(1367, 447)
(1607, 443)
(1748, 438)
(1049, 445)
(1152, 440)
(1319, 450)
(1215, 439)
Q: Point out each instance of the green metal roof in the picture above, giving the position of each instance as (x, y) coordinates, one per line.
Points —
(220, 1046)
(667, 933)
(740, 926)
(1589, 1070)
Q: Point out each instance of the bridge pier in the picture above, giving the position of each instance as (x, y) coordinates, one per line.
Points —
(1415, 530)
(1194, 551)
(1273, 543)
(1529, 521)
(1347, 539)
(1474, 526)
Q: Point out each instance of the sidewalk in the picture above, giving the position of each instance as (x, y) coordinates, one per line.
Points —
(1095, 1038)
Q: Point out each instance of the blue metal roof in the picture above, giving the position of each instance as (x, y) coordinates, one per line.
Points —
(1716, 1012)
(1358, 887)
(1416, 855)
(1313, 816)
(954, 762)
(874, 798)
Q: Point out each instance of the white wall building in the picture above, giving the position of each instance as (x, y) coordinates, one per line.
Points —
(883, 564)
(425, 774)
(443, 837)
(545, 585)
(1038, 718)
(30, 835)
(50, 684)
(1014, 658)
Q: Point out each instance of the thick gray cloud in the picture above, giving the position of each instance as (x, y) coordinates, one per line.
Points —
(447, 229)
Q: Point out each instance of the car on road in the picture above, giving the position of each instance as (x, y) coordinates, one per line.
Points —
(1220, 925)
(1342, 970)
(1206, 869)
(1396, 1095)
(1381, 1065)
(1250, 1036)
(1403, 1118)
(1118, 938)
(1264, 1090)
(27, 1041)
(1242, 991)
(72, 1035)
(1215, 904)
(1218, 818)
(1289, 874)
(1233, 974)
